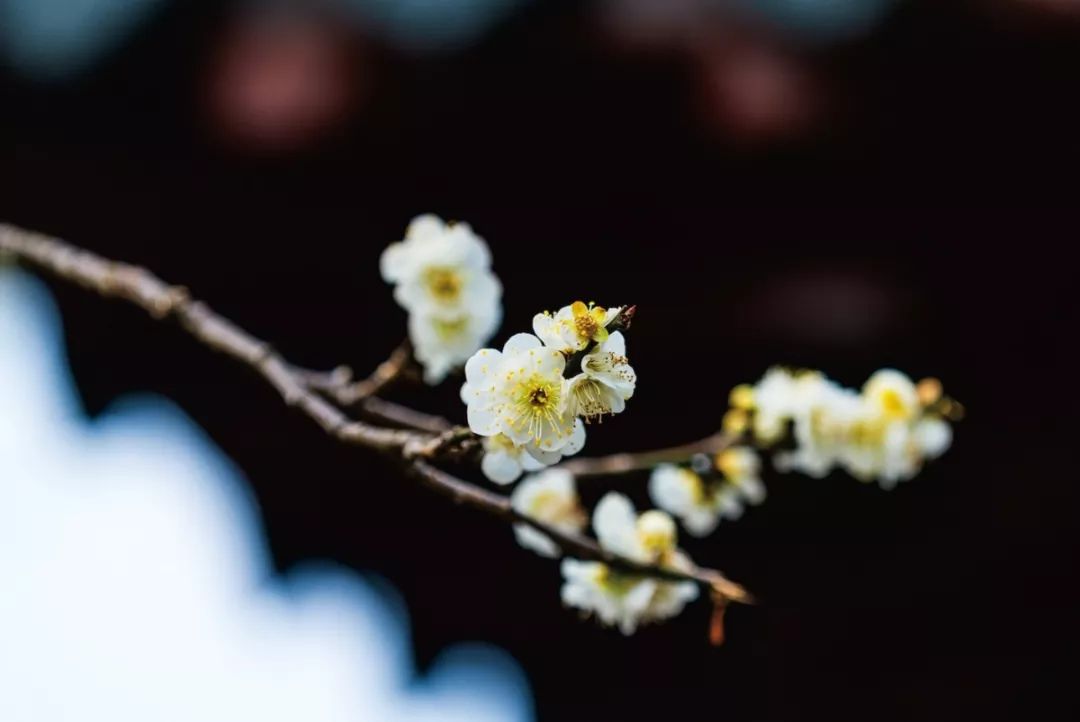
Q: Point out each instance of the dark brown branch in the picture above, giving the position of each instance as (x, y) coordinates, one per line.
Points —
(161, 300)
(645, 460)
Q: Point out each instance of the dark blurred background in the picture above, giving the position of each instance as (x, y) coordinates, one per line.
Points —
(893, 186)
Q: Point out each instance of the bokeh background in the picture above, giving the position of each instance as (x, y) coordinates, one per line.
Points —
(835, 184)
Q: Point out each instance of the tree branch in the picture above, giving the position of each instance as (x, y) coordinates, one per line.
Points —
(645, 460)
(161, 300)
(427, 438)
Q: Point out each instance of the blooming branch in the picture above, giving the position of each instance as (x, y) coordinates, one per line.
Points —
(424, 438)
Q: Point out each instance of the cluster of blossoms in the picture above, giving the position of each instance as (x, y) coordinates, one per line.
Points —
(529, 401)
(709, 488)
(443, 278)
(883, 432)
(616, 599)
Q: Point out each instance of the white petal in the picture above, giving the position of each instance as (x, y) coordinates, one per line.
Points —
(521, 342)
(393, 262)
(615, 344)
(536, 541)
(481, 366)
(933, 436)
(544, 458)
(500, 467)
(577, 439)
(425, 226)
(482, 421)
(615, 522)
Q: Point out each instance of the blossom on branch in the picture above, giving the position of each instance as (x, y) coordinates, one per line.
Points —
(625, 600)
(883, 432)
(442, 276)
(573, 327)
(550, 498)
(701, 500)
(529, 401)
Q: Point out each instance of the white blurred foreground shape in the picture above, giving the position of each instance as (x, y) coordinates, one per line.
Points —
(135, 583)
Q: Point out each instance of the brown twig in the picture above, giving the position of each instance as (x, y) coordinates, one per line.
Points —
(645, 460)
(339, 385)
(415, 448)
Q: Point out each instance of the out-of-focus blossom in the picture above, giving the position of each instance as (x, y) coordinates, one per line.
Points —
(550, 498)
(622, 600)
(699, 500)
(884, 432)
(442, 276)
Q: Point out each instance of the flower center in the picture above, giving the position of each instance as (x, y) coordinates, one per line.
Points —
(589, 400)
(585, 326)
(893, 404)
(536, 402)
(449, 329)
(444, 283)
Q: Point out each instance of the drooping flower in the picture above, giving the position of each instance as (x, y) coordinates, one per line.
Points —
(504, 461)
(519, 392)
(625, 600)
(550, 498)
(605, 383)
(442, 276)
(573, 327)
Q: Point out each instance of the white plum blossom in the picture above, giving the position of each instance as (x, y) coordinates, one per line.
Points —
(622, 600)
(882, 433)
(701, 503)
(573, 327)
(606, 380)
(551, 498)
(520, 393)
(442, 276)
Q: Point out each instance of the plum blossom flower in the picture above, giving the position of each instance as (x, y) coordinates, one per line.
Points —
(700, 503)
(884, 432)
(606, 380)
(442, 276)
(548, 497)
(622, 600)
(519, 393)
(573, 327)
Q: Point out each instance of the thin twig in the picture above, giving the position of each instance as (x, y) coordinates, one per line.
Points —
(339, 385)
(142, 288)
(645, 460)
